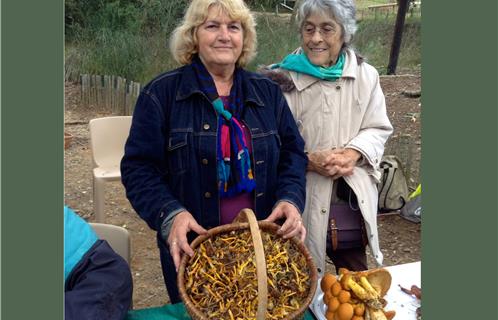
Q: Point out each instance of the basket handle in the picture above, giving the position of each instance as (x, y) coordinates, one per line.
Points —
(247, 215)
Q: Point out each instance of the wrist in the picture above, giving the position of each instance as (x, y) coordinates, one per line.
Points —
(354, 154)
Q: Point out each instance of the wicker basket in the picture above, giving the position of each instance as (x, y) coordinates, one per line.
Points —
(255, 227)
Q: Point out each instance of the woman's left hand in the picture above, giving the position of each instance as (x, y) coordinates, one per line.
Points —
(341, 162)
(293, 225)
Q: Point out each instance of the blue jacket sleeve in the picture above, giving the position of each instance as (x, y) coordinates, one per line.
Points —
(99, 287)
(144, 166)
(293, 160)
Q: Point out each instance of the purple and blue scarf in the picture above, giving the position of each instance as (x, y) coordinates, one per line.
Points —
(233, 159)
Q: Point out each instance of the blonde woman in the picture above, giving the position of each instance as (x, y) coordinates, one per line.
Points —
(210, 138)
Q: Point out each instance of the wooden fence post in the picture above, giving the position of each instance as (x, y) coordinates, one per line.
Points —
(136, 92)
(83, 89)
(110, 93)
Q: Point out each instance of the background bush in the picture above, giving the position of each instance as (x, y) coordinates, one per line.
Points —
(129, 38)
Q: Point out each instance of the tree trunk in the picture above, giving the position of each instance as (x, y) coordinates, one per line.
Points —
(398, 34)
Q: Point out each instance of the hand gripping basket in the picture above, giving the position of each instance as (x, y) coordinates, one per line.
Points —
(246, 220)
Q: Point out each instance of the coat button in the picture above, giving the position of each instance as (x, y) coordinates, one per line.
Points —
(206, 126)
(207, 195)
(205, 161)
(323, 210)
(338, 87)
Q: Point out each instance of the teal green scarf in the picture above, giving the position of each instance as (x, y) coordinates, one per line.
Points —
(299, 62)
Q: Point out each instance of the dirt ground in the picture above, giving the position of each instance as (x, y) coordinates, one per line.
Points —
(399, 239)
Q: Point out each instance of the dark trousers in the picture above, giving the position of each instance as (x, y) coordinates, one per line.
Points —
(352, 259)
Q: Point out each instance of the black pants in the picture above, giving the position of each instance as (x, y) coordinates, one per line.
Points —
(351, 259)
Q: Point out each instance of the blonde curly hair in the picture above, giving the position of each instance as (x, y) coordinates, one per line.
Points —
(184, 42)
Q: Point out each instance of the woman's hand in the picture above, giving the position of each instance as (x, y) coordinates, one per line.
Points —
(341, 162)
(177, 239)
(293, 225)
(316, 162)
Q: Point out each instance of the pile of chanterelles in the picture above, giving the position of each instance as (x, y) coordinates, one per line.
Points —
(357, 295)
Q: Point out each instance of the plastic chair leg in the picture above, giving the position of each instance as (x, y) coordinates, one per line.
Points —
(98, 199)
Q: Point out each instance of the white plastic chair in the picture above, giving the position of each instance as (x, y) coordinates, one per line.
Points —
(107, 139)
(117, 237)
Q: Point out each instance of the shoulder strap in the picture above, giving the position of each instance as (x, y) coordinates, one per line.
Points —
(387, 180)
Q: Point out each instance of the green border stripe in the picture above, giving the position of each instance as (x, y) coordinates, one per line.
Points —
(460, 157)
(32, 159)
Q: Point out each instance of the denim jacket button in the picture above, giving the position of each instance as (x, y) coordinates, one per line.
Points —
(205, 161)
(207, 195)
(206, 126)
(323, 210)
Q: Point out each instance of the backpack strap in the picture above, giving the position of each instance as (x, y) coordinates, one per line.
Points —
(388, 168)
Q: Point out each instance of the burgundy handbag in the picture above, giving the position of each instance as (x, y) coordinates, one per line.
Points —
(346, 228)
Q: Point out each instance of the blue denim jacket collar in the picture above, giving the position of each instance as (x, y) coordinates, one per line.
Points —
(189, 86)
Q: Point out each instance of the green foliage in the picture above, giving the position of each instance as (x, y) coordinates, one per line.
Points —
(263, 4)
(161, 14)
(132, 56)
(361, 4)
(276, 39)
(374, 37)
(85, 18)
(127, 38)
(130, 38)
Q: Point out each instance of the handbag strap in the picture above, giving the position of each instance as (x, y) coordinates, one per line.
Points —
(333, 233)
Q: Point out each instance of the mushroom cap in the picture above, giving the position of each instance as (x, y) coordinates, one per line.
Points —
(380, 279)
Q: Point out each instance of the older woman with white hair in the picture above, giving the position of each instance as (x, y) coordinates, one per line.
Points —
(340, 110)
(210, 138)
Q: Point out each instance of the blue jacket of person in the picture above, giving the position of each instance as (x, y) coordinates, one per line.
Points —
(169, 163)
(97, 281)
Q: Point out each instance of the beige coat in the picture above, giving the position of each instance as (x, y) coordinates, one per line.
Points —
(350, 112)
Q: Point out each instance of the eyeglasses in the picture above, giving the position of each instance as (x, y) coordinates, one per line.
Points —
(325, 30)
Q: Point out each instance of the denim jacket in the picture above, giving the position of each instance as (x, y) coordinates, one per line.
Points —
(170, 156)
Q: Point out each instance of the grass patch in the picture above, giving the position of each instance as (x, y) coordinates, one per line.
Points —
(276, 39)
(362, 4)
(140, 56)
(374, 36)
(115, 52)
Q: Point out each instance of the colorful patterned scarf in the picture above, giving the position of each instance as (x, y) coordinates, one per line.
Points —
(233, 159)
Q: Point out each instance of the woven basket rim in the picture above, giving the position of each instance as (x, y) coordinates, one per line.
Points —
(267, 226)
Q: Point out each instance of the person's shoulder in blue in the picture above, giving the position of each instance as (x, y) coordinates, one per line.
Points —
(97, 281)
